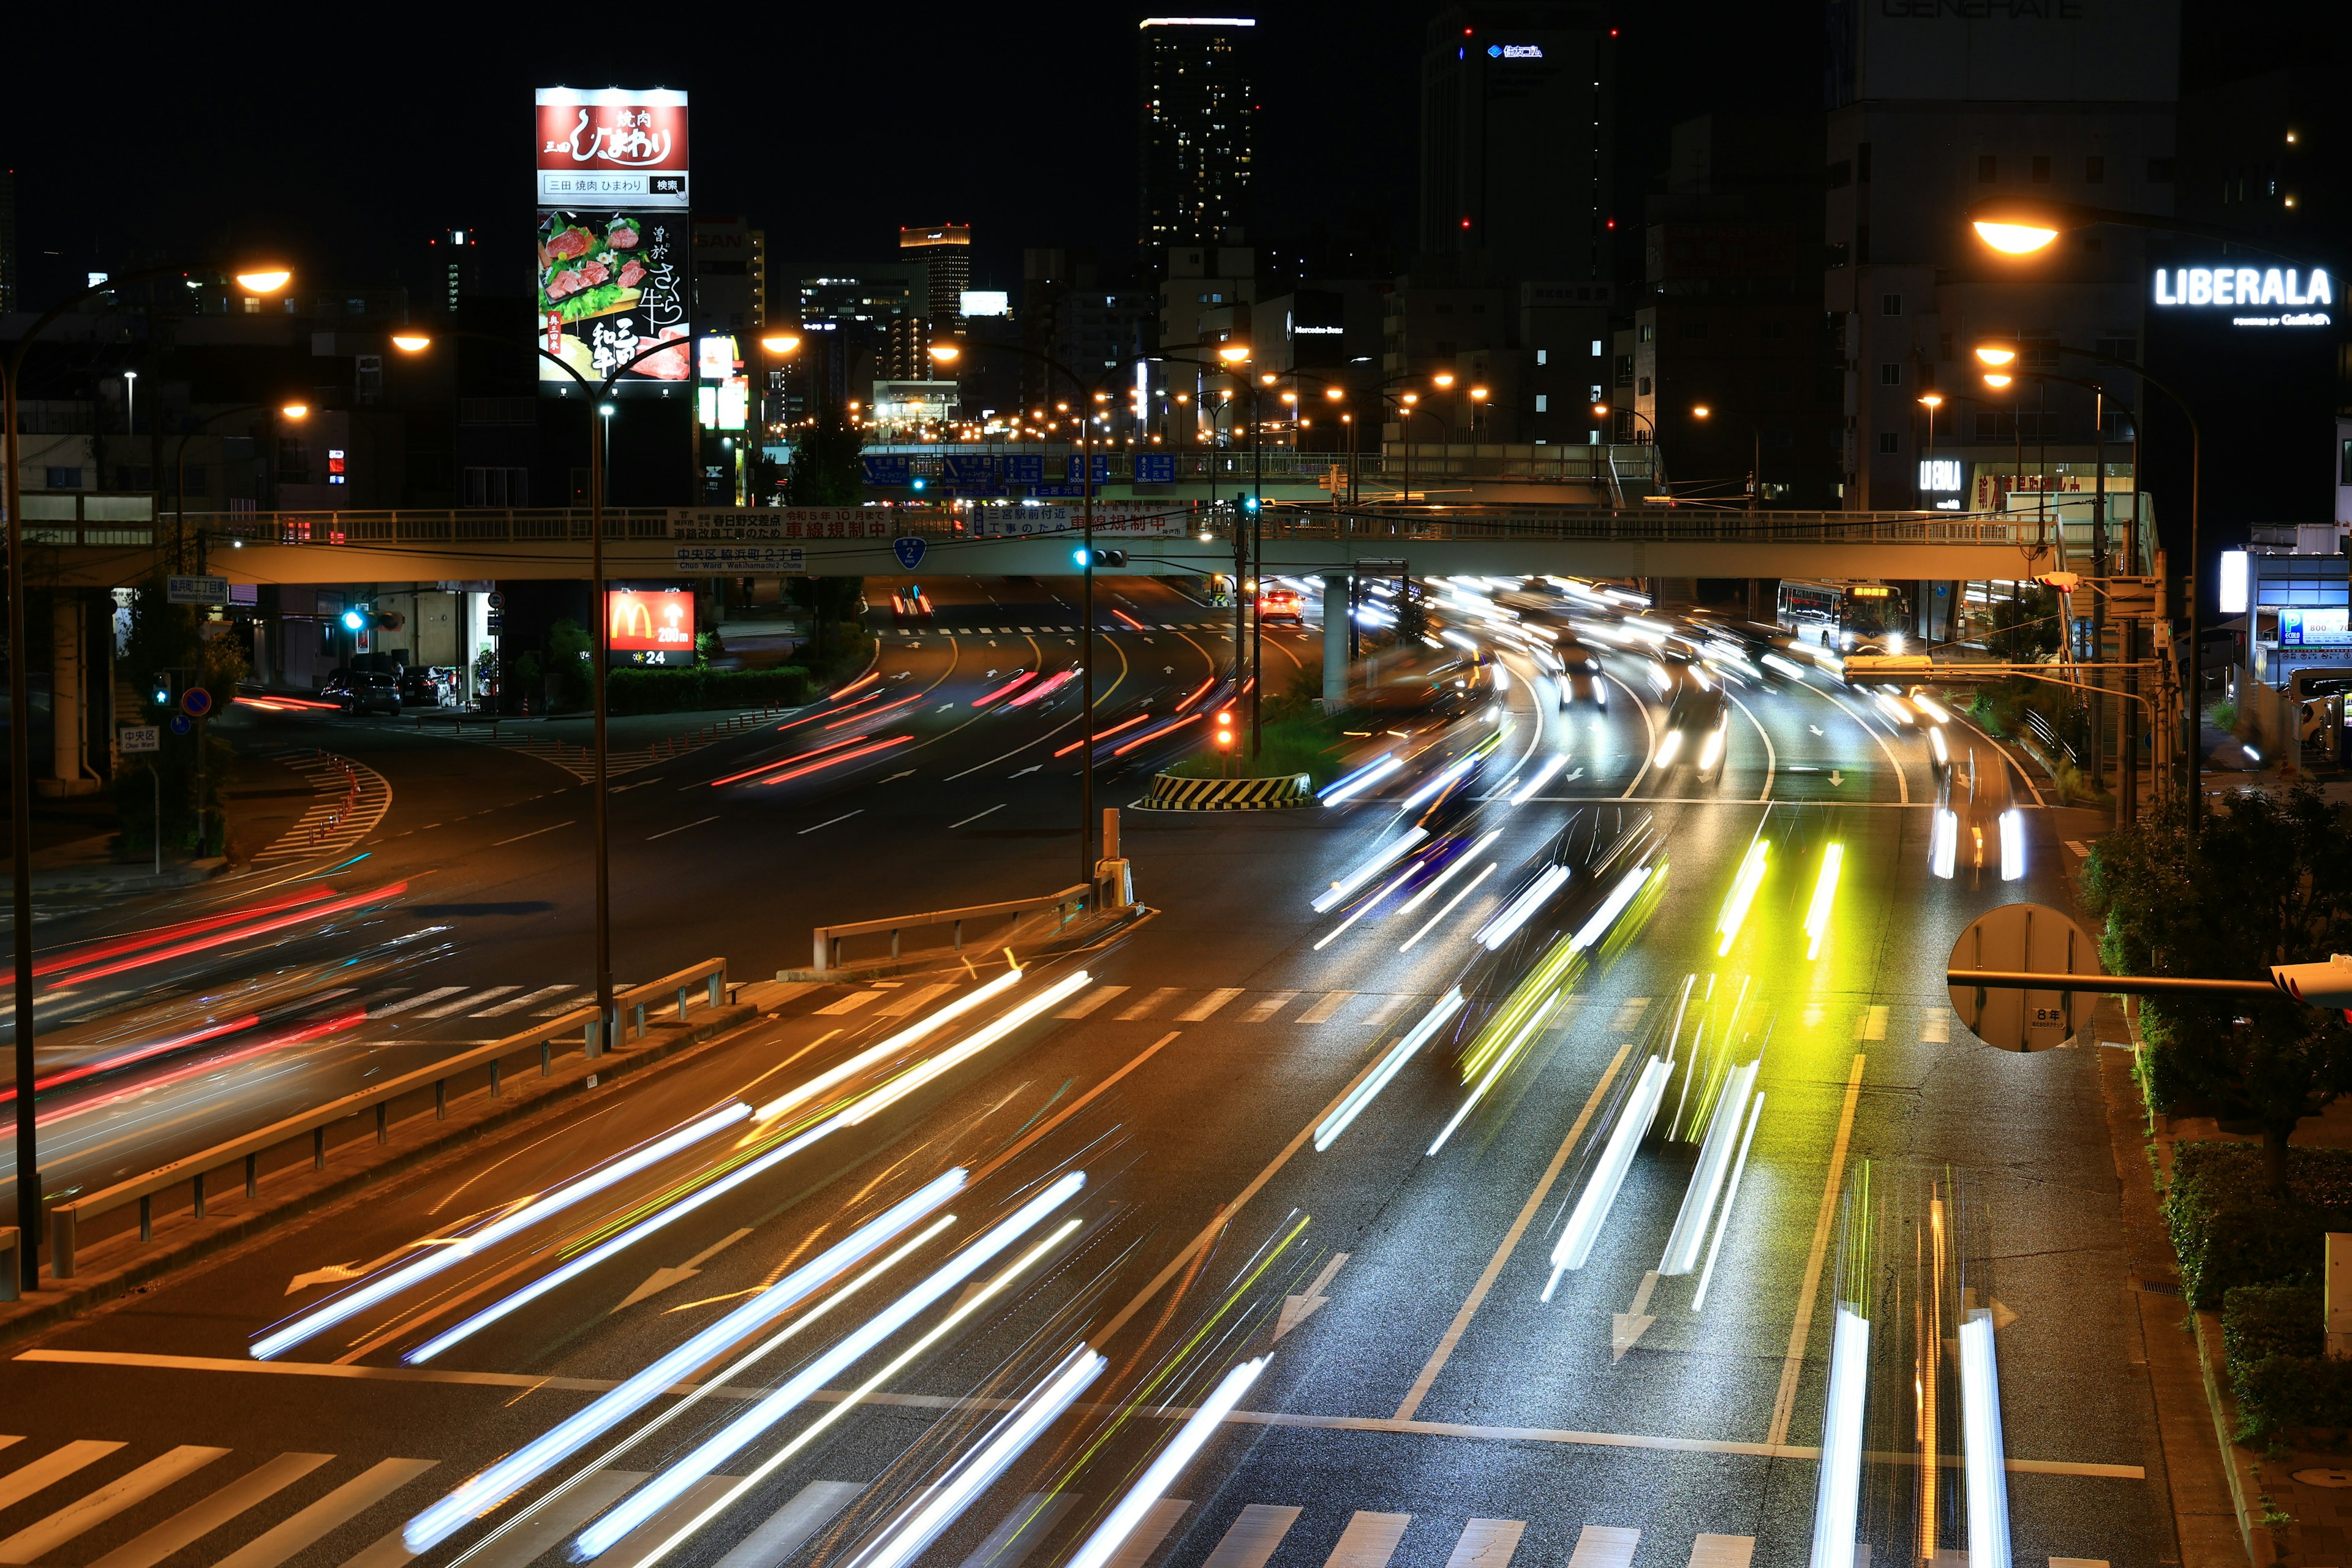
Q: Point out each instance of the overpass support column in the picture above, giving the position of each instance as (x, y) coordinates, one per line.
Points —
(68, 680)
(1336, 623)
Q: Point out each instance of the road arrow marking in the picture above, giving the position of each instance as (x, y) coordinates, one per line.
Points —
(1574, 776)
(1030, 769)
(1626, 1329)
(1167, 669)
(1816, 729)
(337, 1273)
(661, 1280)
(1296, 1310)
(2001, 1316)
(1836, 778)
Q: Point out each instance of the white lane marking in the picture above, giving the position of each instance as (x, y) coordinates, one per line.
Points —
(1784, 1403)
(1253, 1536)
(517, 1004)
(1872, 1026)
(1370, 1541)
(1389, 1006)
(1629, 1013)
(976, 816)
(900, 1006)
(38, 1539)
(1143, 1008)
(1772, 758)
(1486, 1543)
(1604, 1546)
(829, 821)
(49, 1469)
(1137, 1548)
(532, 834)
(199, 1519)
(550, 1012)
(337, 1508)
(1199, 1011)
(1935, 1027)
(1901, 784)
(1649, 732)
(790, 1526)
(459, 1004)
(1737, 1551)
(682, 828)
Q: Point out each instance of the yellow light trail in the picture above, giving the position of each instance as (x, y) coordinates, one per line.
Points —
(1743, 893)
(1817, 917)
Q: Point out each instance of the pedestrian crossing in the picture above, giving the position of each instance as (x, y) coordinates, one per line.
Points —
(412, 1005)
(350, 799)
(1225, 625)
(196, 1503)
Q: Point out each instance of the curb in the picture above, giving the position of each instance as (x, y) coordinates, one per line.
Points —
(202, 1238)
(2245, 1484)
(1169, 793)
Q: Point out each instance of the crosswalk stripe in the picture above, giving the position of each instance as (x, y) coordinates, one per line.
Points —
(550, 1012)
(1207, 1005)
(25, 1480)
(418, 1000)
(783, 1531)
(641, 1542)
(537, 1535)
(1322, 1012)
(1722, 1550)
(95, 1508)
(517, 1004)
(901, 1006)
(338, 1507)
(1016, 1535)
(1137, 1548)
(849, 1003)
(1486, 1543)
(1388, 1007)
(1629, 1013)
(1151, 999)
(1090, 1001)
(459, 1004)
(1604, 1546)
(1935, 1027)
(1369, 1542)
(1873, 1024)
(193, 1523)
(1253, 1537)
(1267, 1006)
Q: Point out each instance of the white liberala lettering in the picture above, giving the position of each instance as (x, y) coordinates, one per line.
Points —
(2241, 286)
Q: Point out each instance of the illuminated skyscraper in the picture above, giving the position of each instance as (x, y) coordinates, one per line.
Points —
(1197, 107)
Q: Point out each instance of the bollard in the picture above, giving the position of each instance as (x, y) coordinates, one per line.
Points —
(546, 1058)
(641, 1020)
(681, 1003)
(717, 987)
(592, 1046)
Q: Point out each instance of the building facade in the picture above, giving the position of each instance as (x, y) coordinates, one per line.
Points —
(1195, 115)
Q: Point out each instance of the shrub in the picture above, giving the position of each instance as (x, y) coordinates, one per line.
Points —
(2273, 1339)
(1306, 744)
(687, 690)
(2223, 716)
(2229, 1232)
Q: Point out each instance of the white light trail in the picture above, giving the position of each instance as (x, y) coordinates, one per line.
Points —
(1494, 1074)
(1936, 740)
(1591, 1211)
(1928, 706)
(1440, 880)
(1458, 640)
(907, 1082)
(1611, 908)
(2012, 845)
(1981, 1437)
(1388, 855)
(1838, 1496)
(1793, 671)
(731, 1439)
(1707, 1180)
(1817, 915)
(497, 1482)
(1944, 845)
(1711, 749)
(1543, 775)
(1730, 1197)
(1362, 779)
(1438, 782)
(457, 1249)
(1468, 888)
(1154, 1482)
(1667, 750)
(1365, 908)
(1521, 909)
(1403, 1051)
(887, 1048)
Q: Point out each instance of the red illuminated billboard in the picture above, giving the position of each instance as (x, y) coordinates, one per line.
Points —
(645, 620)
(614, 146)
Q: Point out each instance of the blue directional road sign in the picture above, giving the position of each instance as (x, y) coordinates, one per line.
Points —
(182, 724)
(909, 550)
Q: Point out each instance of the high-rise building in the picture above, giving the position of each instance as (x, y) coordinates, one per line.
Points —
(455, 269)
(1196, 114)
(1516, 142)
(945, 249)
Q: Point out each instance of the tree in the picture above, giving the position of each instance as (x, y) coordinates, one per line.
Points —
(831, 602)
(569, 655)
(825, 471)
(2269, 881)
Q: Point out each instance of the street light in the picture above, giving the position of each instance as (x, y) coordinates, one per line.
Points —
(259, 280)
(1930, 401)
(599, 435)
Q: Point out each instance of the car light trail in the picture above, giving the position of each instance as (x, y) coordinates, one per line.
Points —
(1503, 1058)
(1131, 620)
(869, 678)
(1154, 1482)
(1102, 735)
(1591, 1211)
(1928, 706)
(240, 933)
(1363, 778)
(1730, 1197)
(1707, 1180)
(1981, 1436)
(2012, 845)
(1817, 914)
(1146, 740)
(1338, 891)
(65, 1076)
(1440, 880)
(1198, 692)
(385, 1286)
(1743, 894)
(1012, 685)
(1793, 671)
(1943, 845)
(1444, 778)
(130, 943)
(946, 1501)
(864, 751)
(1893, 708)
(825, 750)
(1543, 776)
(1936, 743)
(1594, 930)
(1838, 1496)
(1521, 909)
(746, 1428)
(1710, 751)
(887, 1048)
(1667, 750)
(874, 712)
(906, 1083)
(1363, 909)
(1468, 888)
(501, 1480)
(1403, 1051)
(829, 714)
(1045, 687)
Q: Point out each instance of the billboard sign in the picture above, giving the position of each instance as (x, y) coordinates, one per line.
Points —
(616, 256)
(612, 147)
(641, 620)
(2255, 296)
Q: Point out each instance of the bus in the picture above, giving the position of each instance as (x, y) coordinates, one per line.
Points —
(1847, 616)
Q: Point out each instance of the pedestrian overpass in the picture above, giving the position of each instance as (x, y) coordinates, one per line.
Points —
(1159, 538)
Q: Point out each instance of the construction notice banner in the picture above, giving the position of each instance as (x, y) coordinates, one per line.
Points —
(1119, 518)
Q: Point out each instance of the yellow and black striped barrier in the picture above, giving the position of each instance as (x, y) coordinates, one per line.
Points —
(1169, 793)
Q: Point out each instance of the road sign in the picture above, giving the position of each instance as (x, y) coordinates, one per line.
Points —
(181, 724)
(909, 550)
(196, 590)
(132, 739)
(741, 560)
(2031, 939)
(196, 702)
(494, 601)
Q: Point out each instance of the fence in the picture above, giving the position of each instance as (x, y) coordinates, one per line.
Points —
(68, 1221)
(828, 939)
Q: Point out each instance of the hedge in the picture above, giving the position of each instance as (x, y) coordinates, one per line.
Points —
(2228, 1232)
(685, 691)
(2275, 1342)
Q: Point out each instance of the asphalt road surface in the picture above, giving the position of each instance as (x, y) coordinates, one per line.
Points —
(1424, 1185)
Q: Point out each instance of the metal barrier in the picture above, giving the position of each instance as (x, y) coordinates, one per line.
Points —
(828, 938)
(67, 1219)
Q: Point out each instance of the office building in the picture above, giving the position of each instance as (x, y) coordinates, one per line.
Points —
(1516, 111)
(1931, 110)
(849, 314)
(728, 277)
(1196, 110)
(945, 252)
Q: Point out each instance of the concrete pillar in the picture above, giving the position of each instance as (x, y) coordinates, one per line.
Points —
(68, 681)
(1335, 640)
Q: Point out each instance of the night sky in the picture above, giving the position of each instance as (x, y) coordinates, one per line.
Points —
(343, 149)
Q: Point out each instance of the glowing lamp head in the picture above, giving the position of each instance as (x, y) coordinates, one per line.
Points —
(1701, 411)
(1995, 352)
(781, 342)
(1234, 353)
(1599, 410)
(1477, 394)
(1409, 398)
(2014, 238)
(296, 410)
(1334, 394)
(1997, 379)
(264, 279)
(1442, 378)
(946, 352)
(411, 342)
(353, 620)
(1932, 399)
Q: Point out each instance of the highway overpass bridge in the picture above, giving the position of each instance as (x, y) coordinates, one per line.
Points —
(423, 546)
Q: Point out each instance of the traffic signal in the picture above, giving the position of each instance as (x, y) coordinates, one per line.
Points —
(1225, 730)
(163, 691)
(1084, 558)
(2064, 581)
(2328, 985)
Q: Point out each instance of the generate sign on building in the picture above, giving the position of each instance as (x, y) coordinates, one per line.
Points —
(615, 255)
(2255, 296)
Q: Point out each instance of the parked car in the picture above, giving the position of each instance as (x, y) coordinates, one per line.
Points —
(426, 685)
(363, 691)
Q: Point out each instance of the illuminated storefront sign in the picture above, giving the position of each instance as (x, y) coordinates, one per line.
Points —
(1515, 51)
(647, 621)
(2248, 289)
(1942, 474)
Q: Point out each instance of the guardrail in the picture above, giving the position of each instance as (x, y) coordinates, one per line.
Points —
(828, 938)
(67, 1220)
